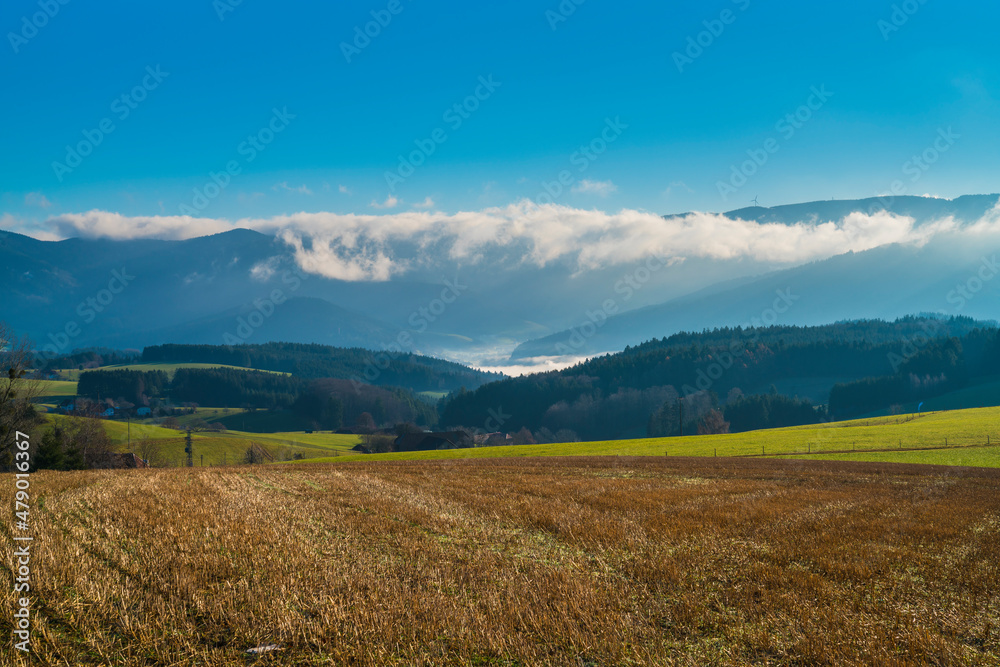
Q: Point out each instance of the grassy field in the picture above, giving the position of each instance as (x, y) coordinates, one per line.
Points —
(937, 429)
(984, 457)
(51, 393)
(571, 561)
(60, 388)
(220, 448)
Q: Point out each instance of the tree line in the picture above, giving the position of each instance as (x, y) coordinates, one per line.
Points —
(326, 404)
(227, 387)
(926, 370)
(631, 393)
(313, 361)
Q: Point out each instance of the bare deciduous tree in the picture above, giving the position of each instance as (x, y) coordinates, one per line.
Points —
(88, 436)
(713, 423)
(16, 390)
(151, 451)
(377, 443)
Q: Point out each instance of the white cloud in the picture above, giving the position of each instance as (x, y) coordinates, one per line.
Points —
(103, 224)
(365, 246)
(36, 199)
(264, 270)
(390, 202)
(344, 190)
(33, 229)
(302, 189)
(677, 185)
(601, 188)
(379, 246)
(427, 203)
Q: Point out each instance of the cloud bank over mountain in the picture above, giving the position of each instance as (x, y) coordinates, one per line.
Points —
(375, 248)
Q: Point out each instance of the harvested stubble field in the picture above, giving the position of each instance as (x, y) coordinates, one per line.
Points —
(569, 561)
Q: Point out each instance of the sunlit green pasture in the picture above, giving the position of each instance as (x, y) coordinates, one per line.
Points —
(937, 429)
(220, 448)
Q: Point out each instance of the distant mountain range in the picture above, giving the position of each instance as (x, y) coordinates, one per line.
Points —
(886, 282)
(244, 286)
(968, 208)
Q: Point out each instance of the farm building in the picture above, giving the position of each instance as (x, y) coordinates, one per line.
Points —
(417, 442)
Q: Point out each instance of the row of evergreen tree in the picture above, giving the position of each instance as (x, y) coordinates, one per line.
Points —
(619, 395)
(924, 371)
(325, 404)
(224, 387)
(313, 361)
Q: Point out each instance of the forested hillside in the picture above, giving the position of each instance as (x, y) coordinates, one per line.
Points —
(400, 369)
(636, 392)
(219, 387)
(326, 404)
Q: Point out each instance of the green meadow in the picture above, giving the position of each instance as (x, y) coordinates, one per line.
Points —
(943, 437)
(223, 447)
(964, 432)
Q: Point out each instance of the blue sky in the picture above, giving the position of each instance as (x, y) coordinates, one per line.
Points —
(557, 85)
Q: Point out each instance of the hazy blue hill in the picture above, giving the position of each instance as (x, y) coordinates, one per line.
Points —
(968, 208)
(887, 282)
(327, 324)
(194, 290)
